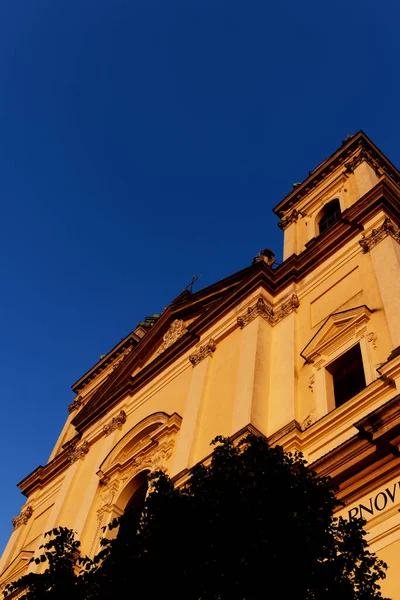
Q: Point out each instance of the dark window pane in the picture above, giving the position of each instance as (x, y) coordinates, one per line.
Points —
(331, 214)
(348, 375)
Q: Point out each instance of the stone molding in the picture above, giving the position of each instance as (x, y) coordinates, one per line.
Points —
(286, 308)
(203, 352)
(176, 330)
(154, 458)
(78, 452)
(260, 308)
(115, 423)
(23, 518)
(77, 403)
(366, 156)
(310, 419)
(120, 360)
(380, 233)
(292, 217)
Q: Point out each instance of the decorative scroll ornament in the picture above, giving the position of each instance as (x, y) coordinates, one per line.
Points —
(379, 234)
(364, 155)
(115, 423)
(203, 352)
(23, 517)
(77, 403)
(289, 219)
(78, 452)
(286, 308)
(309, 420)
(259, 309)
(176, 330)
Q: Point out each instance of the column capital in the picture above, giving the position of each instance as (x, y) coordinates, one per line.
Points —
(380, 233)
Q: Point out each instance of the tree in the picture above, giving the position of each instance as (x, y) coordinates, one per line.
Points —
(255, 523)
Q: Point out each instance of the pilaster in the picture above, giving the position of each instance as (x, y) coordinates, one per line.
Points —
(184, 447)
(383, 246)
(282, 375)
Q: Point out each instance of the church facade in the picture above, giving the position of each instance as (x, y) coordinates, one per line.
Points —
(306, 353)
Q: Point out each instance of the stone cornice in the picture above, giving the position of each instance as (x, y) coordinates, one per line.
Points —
(377, 443)
(260, 308)
(380, 233)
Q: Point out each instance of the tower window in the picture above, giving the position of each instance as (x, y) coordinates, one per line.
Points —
(330, 215)
(348, 376)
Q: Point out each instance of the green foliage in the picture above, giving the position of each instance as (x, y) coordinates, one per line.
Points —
(255, 522)
(58, 580)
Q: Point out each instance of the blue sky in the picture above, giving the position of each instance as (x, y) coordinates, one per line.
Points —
(145, 142)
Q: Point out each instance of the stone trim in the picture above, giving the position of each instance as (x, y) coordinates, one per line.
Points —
(287, 308)
(260, 308)
(366, 156)
(77, 403)
(22, 518)
(115, 423)
(289, 219)
(380, 233)
(203, 352)
(124, 355)
(78, 452)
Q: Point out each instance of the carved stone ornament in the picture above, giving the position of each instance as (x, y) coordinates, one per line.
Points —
(78, 452)
(371, 338)
(286, 308)
(115, 423)
(122, 358)
(366, 156)
(77, 403)
(266, 256)
(23, 517)
(203, 352)
(311, 382)
(309, 420)
(176, 330)
(379, 234)
(261, 309)
(289, 219)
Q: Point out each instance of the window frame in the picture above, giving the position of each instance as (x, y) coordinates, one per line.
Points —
(339, 333)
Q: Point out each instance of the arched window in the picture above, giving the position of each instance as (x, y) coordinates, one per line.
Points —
(330, 215)
(139, 496)
(133, 510)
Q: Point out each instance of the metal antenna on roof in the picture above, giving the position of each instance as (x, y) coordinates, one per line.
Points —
(191, 284)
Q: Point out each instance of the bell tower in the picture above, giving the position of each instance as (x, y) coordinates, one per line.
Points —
(330, 190)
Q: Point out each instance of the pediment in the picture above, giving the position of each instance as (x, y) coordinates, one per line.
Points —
(337, 327)
(177, 329)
